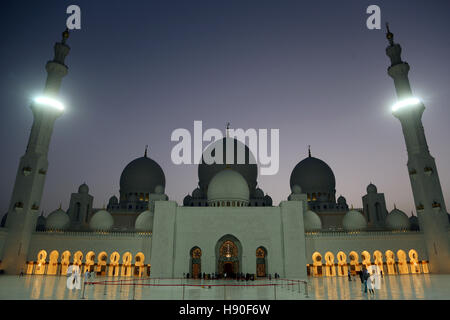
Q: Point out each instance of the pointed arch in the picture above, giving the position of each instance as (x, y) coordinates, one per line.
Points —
(114, 260)
(317, 264)
(261, 261)
(342, 264)
(402, 263)
(330, 270)
(414, 261)
(90, 261)
(41, 262)
(126, 264)
(53, 263)
(365, 255)
(390, 262)
(195, 262)
(65, 262)
(102, 263)
(139, 264)
(354, 262)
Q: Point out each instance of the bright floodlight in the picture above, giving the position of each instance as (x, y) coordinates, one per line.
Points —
(49, 102)
(405, 103)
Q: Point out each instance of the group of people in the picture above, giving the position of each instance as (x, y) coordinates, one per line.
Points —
(368, 279)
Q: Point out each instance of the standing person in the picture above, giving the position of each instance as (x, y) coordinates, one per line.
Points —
(381, 272)
(371, 283)
(366, 276)
(349, 276)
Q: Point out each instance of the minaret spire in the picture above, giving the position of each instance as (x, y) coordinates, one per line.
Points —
(145, 153)
(424, 178)
(29, 184)
(309, 151)
(227, 130)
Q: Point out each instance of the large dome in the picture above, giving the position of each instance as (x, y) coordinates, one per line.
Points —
(397, 220)
(248, 169)
(141, 175)
(313, 175)
(228, 185)
(101, 221)
(354, 221)
(57, 220)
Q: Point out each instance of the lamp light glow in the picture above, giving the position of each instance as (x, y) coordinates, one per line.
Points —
(49, 102)
(405, 103)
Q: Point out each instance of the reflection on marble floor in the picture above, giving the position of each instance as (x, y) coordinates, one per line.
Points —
(398, 287)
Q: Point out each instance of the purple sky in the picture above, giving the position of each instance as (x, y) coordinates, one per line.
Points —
(140, 69)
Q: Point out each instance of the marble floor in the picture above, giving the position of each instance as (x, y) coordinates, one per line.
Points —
(399, 287)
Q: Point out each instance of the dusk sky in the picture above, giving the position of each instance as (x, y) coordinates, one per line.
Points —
(140, 69)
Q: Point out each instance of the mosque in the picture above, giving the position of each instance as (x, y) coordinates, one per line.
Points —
(227, 224)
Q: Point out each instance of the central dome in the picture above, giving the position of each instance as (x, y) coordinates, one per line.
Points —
(248, 169)
(141, 175)
(228, 186)
(313, 175)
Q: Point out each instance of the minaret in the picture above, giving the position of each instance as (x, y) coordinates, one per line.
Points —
(423, 174)
(23, 210)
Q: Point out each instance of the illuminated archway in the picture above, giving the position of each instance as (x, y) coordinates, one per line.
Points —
(390, 262)
(114, 264)
(365, 255)
(228, 255)
(378, 259)
(53, 263)
(65, 262)
(41, 262)
(414, 261)
(330, 270)
(78, 259)
(317, 264)
(261, 262)
(90, 261)
(342, 264)
(139, 264)
(402, 263)
(101, 263)
(126, 264)
(354, 262)
(195, 265)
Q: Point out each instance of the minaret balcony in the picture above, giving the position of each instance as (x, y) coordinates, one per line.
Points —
(413, 173)
(42, 171)
(18, 206)
(436, 206)
(420, 208)
(26, 171)
(428, 171)
(34, 207)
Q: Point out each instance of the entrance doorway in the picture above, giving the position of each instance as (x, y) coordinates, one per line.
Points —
(228, 253)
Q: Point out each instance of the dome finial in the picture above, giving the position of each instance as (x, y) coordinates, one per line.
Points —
(227, 129)
(309, 151)
(389, 35)
(395, 207)
(60, 205)
(145, 153)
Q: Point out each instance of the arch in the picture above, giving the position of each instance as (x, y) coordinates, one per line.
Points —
(378, 259)
(402, 263)
(228, 255)
(90, 261)
(261, 262)
(342, 264)
(330, 270)
(195, 264)
(65, 262)
(317, 264)
(101, 263)
(390, 262)
(41, 262)
(414, 261)
(354, 262)
(126, 264)
(139, 264)
(77, 259)
(114, 264)
(53, 263)
(365, 255)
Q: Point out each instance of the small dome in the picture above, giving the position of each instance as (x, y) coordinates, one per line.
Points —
(113, 200)
(159, 189)
(144, 222)
(354, 221)
(296, 189)
(371, 188)
(313, 175)
(83, 188)
(228, 185)
(259, 194)
(141, 175)
(311, 221)
(197, 193)
(341, 200)
(40, 224)
(101, 221)
(397, 220)
(414, 223)
(267, 201)
(57, 220)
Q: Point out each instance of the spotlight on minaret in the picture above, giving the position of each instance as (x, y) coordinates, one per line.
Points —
(49, 103)
(423, 175)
